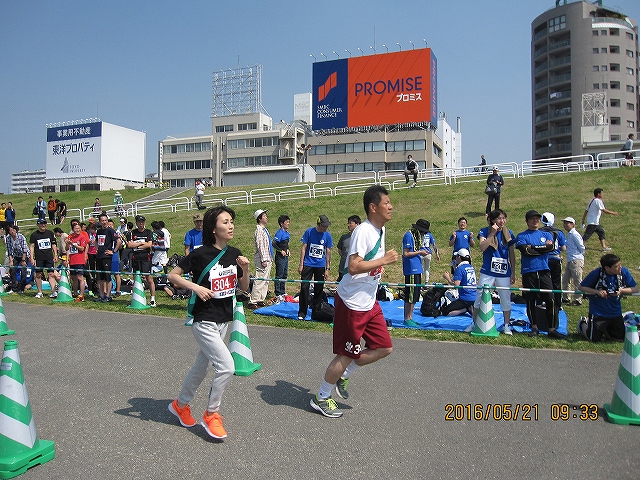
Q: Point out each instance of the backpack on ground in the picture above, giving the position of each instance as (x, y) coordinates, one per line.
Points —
(431, 301)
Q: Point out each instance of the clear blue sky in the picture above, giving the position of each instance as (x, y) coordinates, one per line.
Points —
(147, 65)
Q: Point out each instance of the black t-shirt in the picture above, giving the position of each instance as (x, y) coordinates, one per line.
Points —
(106, 239)
(43, 244)
(217, 310)
(140, 237)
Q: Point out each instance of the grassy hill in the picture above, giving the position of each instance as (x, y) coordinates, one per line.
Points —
(562, 194)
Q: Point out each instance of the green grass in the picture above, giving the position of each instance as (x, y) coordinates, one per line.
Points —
(562, 194)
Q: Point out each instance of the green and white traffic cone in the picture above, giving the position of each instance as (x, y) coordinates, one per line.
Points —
(240, 345)
(20, 448)
(138, 298)
(485, 325)
(624, 408)
(4, 330)
(64, 288)
(2, 292)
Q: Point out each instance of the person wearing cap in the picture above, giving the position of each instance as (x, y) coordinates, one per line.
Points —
(41, 209)
(605, 287)
(262, 259)
(19, 255)
(77, 247)
(51, 210)
(281, 252)
(429, 246)
(412, 269)
(358, 314)
(592, 216)
(497, 244)
(535, 245)
(140, 240)
(44, 252)
(193, 238)
(463, 276)
(575, 261)
(315, 262)
(496, 180)
(343, 244)
(555, 258)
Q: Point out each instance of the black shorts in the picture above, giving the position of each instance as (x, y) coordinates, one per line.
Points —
(141, 264)
(412, 294)
(591, 229)
(103, 265)
(77, 269)
(44, 264)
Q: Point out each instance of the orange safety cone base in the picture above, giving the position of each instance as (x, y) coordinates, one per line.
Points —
(15, 465)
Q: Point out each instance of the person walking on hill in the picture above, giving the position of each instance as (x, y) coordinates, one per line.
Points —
(262, 260)
(494, 185)
(592, 216)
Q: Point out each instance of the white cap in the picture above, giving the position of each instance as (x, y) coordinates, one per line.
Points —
(548, 218)
(258, 212)
(463, 252)
(569, 219)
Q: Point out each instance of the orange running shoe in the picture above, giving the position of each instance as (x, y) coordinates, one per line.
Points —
(79, 298)
(212, 423)
(183, 414)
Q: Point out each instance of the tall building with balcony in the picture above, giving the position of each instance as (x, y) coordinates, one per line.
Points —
(584, 78)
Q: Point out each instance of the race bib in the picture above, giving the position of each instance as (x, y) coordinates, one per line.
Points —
(44, 244)
(499, 265)
(73, 249)
(316, 251)
(223, 281)
(101, 239)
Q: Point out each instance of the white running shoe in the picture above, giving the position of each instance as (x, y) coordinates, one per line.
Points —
(507, 329)
(469, 329)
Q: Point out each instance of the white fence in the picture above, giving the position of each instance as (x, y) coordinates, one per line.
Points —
(348, 183)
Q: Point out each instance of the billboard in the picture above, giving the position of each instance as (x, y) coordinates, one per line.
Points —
(383, 89)
(74, 150)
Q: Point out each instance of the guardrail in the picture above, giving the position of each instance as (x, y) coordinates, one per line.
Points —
(356, 182)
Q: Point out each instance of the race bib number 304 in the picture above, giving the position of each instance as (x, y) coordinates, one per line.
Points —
(223, 281)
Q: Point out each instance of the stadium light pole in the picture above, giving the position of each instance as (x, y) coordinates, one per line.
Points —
(413, 47)
(425, 42)
(314, 57)
(361, 52)
(348, 52)
(336, 54)
(374, 50)
(386, 47)
(325, 57)
(399, 46)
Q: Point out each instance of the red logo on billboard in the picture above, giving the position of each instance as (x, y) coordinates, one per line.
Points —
(323, 90)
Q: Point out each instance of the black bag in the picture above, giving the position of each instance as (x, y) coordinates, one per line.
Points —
(491, 189)
(35, 210)
(323, 313)
(431, 301)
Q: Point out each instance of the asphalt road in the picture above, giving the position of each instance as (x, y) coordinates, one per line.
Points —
(99, 386)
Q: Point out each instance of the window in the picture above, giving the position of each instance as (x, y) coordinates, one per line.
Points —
(614, 67)
(595, 33)
(341, 148)
(615, 120)
(378, 146)
(604, 68)
(596, 68)
(614, 32)
(630, 71)
(224, 128)
(596, 86)
(629, 36)
(630, 88)
(603, 33)
(614, 49)
(358, 147)
(605, 86)
(596, 50)
(614, 102)
(615, 137)
(182, 148)
(630, 53)
(631, 106)
(320, 169)
(630, 124)
(603, 50)
(247, 126)
(557, 23)
(614, 85)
